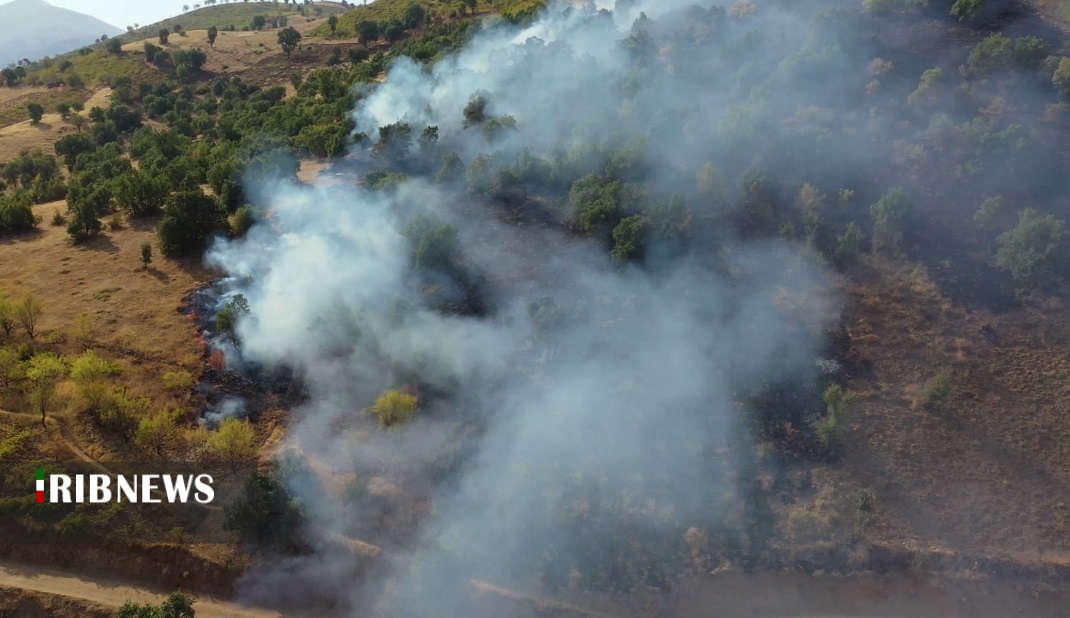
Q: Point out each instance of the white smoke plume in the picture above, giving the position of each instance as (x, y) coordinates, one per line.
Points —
(586, 404)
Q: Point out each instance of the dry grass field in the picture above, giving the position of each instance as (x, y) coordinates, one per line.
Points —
(21, 136)
(135, 312)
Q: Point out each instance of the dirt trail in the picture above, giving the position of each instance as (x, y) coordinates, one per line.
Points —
(110, 593)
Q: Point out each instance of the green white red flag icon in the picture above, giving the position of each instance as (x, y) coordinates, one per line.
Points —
(40, 485)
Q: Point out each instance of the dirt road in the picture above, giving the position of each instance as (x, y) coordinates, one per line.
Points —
(110, 593)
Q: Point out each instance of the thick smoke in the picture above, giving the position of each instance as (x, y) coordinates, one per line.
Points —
(585, 411)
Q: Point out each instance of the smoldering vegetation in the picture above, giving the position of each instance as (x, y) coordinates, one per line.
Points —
(577, 272)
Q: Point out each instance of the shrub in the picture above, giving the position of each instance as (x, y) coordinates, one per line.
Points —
(1031, 245)
(28, 313)
(393, 407)
(83, 330)
(233, 442)
(36, 112)
(242, 221)
(121, 412)
(937, 392)
(178, 605)
(178, 381)
(90, 373)
(158, 433)
(265, 512)
(831, 427)
(1061, 78)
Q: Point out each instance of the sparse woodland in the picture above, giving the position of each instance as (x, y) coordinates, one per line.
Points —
(902, 161)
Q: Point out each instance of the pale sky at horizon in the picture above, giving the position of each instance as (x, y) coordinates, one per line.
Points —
(123, 13)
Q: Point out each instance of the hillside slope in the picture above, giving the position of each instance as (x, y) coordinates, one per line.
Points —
(45, 30)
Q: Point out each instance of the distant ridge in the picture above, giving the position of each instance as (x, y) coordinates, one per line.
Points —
(34, 29)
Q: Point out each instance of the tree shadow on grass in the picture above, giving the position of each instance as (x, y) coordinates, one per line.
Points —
(99, 243)
(160, 275)
(28, 236)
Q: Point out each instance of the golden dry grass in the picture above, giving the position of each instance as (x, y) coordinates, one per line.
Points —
(135, 311)
(24, 136)
(235, 51)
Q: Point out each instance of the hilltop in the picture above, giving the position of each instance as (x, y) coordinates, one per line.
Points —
(34, 29)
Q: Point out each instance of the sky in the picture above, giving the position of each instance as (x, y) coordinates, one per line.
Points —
(123, 13)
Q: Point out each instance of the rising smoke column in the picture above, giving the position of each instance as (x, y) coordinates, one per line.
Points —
(604, 397)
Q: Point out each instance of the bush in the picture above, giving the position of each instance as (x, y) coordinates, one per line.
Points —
(393, 407)
(937, 392)
(1031, 245)
(16, 214)
(179, 381)
(831, 427)
(90, 372)
(233, 442)
(242, 221)
(264, 513)
(178, 605)
(158, 433)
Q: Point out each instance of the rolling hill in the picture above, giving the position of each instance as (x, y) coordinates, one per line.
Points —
(45, 30)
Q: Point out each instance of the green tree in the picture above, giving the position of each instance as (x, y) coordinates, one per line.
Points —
(90, 374)
(139, 194)
(888, 215)
(629, 239)
(1029, 246)
(394, 142)
(8, 317)
(70, 146)
(394, 407)
(213, 32)
(1061, 78)
(414, 15)
(847, 246)
(189, 218)
(332, 23)
(289, 38)
(452, 169)
(233, 442)
(164, 33)
(44, 372)
(146, 254)
(367, 32)
(227, 318)
(36, 112)
(150, 52)
(11, 367)
(264, 513)
(28, 313)
(113, 46)
(158, 433)
(63, 109)
(85, 211)
(258, 23)
(964, 10)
